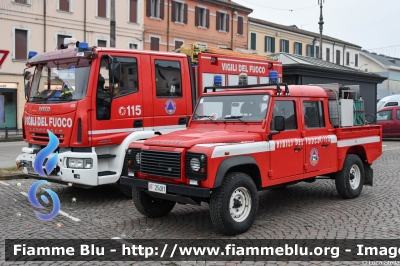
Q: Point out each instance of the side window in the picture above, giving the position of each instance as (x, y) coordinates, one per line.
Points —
(128, 82)
(313, 114)
(392, 104)
(103, 91)
(288, 111)
(398, 114)
(168, 78)
(384, 115)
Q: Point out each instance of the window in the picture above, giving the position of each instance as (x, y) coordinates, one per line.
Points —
(133, 46)
(337, 57)
(287, 110)
(253, 41)
(328, 52)
(317, 52)
(154, 44)
(25, 2)
(179, 12)
(101, 43)
(313, 114)
(298, 47)
(398, 114)
(64, 5)
(222, 22)
(310, 50)
(284, 46)
(102, 8)
(168, 78)
(347, 58)
(202, 17)
(391, 104)
(60, 40)
(384, 115)
(133, 7)
(155, 9)
(269, 44)
(356, 60)
(21, 44)
(240, 24)
(178, 44)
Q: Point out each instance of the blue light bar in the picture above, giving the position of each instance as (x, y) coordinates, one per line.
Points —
(83, 45)
(31, 54)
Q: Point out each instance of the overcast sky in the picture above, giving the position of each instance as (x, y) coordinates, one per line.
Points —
(370, 24)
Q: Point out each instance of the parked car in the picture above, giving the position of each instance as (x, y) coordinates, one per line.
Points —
(389, 119)
(392, 100)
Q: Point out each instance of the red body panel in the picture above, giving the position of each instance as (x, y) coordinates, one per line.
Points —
(389, 119)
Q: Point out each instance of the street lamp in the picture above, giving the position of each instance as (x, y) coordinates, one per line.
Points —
(321, 23)
(362, 66)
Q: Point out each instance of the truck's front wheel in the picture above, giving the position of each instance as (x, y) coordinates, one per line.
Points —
(350, 180)
(233, 205)
(149, 206)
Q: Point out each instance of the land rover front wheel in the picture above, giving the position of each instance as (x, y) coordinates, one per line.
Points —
(233, 205)
(350, 180)
(149, 206)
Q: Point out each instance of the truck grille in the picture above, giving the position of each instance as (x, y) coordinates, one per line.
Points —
(159, 163)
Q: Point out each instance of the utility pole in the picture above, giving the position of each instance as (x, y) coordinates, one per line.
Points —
(321, 23)
(112, 24)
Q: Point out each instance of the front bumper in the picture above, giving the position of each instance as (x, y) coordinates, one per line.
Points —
(183, 190)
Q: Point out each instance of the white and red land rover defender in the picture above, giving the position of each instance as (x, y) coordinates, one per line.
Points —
(241, 140)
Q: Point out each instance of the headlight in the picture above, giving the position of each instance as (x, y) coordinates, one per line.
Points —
(138, 157)
(86, 163)
(195, 164)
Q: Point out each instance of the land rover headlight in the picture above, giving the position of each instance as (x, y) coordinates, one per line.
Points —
(138, 157)
(195, 164)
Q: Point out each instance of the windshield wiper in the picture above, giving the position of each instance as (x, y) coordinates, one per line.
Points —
(38, 97)
(205, 116)
(236, 117)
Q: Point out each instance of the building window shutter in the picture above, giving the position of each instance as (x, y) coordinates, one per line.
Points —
(228, 22)
(173, 12)
(148, 8)
(101, 8)
(185, 13)
(101, 43)
(207, 19)
(196, 16)
(133, 11)
(301, 49)
(312, 51)
(178, 44)
(154, 45)
(272, 45)
(287, 47)
(21, 44)
(64, 5)
(240, 25)
(161, 10)
(218, 20)
(253, 41)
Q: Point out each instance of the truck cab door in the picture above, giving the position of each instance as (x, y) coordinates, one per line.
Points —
(320, 154)
(288, 156)
(385, 119)
(172, 94)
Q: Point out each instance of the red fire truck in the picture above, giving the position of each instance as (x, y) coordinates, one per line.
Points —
(98, 100)
(245, 139)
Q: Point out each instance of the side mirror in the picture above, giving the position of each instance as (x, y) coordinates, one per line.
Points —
(27, 75)
(279, 123)
(27, 85)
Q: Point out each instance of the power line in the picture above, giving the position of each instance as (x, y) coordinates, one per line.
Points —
(383, 47)
(285, 9)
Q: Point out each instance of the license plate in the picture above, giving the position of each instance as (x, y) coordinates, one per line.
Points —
(157, 188)
(31, 171)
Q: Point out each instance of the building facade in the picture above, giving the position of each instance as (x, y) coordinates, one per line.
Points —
(267, 38)
(42, 25)
(214, 23)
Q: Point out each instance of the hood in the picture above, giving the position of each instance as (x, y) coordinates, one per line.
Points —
(189, 137)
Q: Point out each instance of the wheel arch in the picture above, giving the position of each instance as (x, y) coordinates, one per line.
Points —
(243, 164)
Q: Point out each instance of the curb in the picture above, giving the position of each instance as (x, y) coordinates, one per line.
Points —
(11, 139)
(11, 177)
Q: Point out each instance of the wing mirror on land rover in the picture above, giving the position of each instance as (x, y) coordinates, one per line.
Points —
(279, 123)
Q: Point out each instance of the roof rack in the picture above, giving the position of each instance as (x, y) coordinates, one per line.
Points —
(238, 87)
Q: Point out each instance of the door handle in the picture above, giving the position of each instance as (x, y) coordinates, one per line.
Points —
(138, 123)
(182, 121)
(298, 148)
(325, 145)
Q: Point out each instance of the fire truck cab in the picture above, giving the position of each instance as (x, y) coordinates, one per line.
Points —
(96, 101)
(244, 139)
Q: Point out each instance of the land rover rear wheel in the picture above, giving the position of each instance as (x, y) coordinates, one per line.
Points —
(350, 180)
(233, 205)
(149, 206)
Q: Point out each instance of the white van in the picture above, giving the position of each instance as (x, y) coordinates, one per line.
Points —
(392, 100)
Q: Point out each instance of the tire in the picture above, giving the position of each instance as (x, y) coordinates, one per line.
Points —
(350, 180)
(149, 206)
(236, 188)
(124, 189)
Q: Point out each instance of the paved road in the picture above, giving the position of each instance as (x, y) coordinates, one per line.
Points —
(301, 211)
(9, 152)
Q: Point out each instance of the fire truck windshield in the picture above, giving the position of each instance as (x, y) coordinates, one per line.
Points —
(60, 82)
(232, 108)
